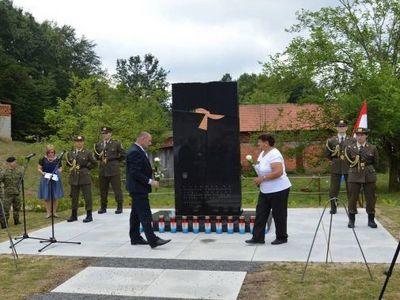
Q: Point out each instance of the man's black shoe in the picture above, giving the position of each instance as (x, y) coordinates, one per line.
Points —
(118, 210)
(253, 241)
(371, 221)
(141, 241)
(372, 224)
(102, 210)
(72, 219)
(159, 242)
(351, 224)
(89, 217)
(279, 241)
(352, 220)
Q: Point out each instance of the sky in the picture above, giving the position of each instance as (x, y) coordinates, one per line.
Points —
(195, 40)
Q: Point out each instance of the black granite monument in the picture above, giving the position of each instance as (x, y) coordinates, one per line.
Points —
(206, 148)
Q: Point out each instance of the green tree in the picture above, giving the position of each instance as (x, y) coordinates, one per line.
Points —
(351, 53)
(37, 62)
(226, 77)
(143, 78)
(92, 104)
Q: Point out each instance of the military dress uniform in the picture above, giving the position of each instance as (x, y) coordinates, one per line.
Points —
(80, 161)
(11, 179)
(110, 153)
(334, 151)
(363, 160)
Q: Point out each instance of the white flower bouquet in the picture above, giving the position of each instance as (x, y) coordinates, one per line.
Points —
(158, 174)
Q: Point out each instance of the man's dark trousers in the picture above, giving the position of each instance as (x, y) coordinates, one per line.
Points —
(141, 213)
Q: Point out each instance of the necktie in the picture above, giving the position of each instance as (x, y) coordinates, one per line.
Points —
(341, 139)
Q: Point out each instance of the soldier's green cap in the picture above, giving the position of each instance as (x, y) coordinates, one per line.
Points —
(106, 129)
(11, 159)
(341, 123)
(362, 130)
(79, 138)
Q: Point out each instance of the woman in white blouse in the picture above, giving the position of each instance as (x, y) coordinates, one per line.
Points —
(274, 191)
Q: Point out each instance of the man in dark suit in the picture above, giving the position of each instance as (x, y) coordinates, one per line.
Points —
(139, 183)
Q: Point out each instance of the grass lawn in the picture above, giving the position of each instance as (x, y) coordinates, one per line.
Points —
(322, 281)
(35, 274)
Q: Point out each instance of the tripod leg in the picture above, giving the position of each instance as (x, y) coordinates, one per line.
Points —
(388, 273)
(312, 244)
(329, 239)
(359, 245)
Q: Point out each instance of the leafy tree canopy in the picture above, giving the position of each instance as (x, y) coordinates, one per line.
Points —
(37, 62)
(143, 78)
(351, 53)
(92, 104)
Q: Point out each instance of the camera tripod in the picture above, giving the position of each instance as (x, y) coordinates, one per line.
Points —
(25, 235)
(52, 240)
(388, 273)
(335, 200)
(12, 245)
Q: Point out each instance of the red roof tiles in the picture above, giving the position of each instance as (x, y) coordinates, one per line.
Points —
(279, 117)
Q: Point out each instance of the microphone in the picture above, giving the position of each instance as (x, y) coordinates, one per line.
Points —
(30, 156)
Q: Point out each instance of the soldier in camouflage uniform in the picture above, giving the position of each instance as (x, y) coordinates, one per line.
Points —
(110, 153)
(80, 161)
(11, 177)
(334, 151)
(363, 159)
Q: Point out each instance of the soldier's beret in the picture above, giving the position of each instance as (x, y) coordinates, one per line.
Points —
(11, 159)
(106, 129)
(362, 130)
(79, 138)
(341, 123)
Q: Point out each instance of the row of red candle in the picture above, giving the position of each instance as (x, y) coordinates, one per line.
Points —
(207, 224)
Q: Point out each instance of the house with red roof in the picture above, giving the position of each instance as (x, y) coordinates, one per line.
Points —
(285, 121)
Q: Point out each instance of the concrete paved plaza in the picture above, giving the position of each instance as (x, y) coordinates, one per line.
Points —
(107, 238)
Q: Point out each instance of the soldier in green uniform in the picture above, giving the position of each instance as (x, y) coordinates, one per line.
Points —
(11, 177)
(334, 151)
(110, 153)
(363, 159)
(80, 161)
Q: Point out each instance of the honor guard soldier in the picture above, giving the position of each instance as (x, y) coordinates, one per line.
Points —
(80, 162)
(11, 177)
(110, 153)
(334, 150)
(363, 159)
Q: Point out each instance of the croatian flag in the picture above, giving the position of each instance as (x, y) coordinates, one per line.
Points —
(362, 120)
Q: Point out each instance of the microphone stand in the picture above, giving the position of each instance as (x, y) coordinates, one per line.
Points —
(12, 245)
(25, 235)
(51, 240)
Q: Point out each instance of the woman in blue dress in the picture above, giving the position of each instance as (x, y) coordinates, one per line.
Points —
(50, 168)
